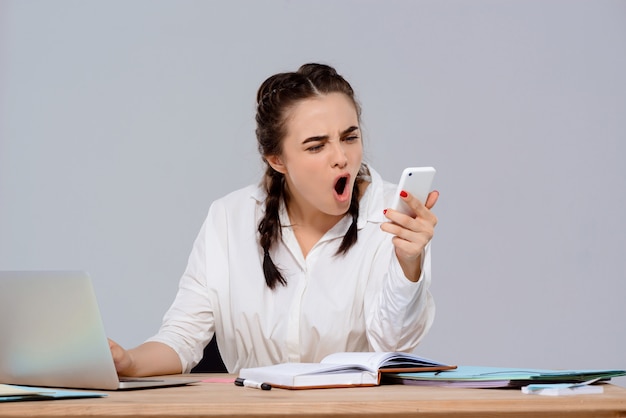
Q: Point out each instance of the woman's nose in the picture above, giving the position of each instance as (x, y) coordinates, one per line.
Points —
(339, 157)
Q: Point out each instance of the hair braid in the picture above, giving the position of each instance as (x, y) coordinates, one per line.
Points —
(351, 235)
(269, 228)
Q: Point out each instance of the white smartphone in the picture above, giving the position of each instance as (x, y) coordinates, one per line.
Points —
(417, 181)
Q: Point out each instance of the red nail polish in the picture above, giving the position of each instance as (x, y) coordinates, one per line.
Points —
(403, 194)
(385, 211)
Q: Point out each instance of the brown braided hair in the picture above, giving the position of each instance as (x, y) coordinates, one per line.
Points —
(278, 94)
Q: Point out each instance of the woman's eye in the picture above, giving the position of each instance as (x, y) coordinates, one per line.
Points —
(315, 148)
(351, 138)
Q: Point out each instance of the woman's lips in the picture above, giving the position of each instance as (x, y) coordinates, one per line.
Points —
(342, 191)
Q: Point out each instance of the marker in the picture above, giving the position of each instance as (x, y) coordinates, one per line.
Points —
(252, 384)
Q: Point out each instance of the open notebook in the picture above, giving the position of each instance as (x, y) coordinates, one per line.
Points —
(343, 369)
(51, 334)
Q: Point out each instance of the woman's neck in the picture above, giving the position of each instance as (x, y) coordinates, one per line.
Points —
(309, 224)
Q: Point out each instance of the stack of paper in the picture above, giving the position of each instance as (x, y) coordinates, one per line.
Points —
(490, 377)
(13, 393)
(560, 389)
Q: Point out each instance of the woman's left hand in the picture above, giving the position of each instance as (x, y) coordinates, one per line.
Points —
(411, 234)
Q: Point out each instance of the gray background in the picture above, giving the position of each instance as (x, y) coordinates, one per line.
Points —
(121, 121)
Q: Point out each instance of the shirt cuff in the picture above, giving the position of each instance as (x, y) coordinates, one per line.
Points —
(399, 279)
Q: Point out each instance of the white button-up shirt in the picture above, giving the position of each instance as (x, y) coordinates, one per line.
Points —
(359, 301)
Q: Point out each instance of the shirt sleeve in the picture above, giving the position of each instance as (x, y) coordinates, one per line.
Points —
(399, 312)
(189, 324)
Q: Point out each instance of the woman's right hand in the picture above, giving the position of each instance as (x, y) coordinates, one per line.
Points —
(121, 358)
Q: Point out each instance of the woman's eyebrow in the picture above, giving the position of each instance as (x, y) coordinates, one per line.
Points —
(315, 139)
(350, 130)
(325, 137)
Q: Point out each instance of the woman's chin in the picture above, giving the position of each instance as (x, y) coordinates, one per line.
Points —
(341, 205)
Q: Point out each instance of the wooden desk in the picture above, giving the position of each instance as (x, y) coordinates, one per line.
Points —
(226, 399)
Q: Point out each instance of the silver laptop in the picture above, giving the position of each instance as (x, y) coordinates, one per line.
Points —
(51, 334)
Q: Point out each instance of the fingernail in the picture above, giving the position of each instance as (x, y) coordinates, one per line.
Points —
(385, 212)
(403, 194)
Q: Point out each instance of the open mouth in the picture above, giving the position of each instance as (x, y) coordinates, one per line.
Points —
(340, 185)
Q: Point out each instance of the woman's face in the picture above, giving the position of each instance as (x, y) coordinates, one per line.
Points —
(322, 153)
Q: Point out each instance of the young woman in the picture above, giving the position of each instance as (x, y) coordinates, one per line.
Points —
(308, 263)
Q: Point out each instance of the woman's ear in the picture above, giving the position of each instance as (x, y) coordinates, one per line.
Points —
(276, 163)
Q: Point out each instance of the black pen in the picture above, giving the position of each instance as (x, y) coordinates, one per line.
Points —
(252, 384)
